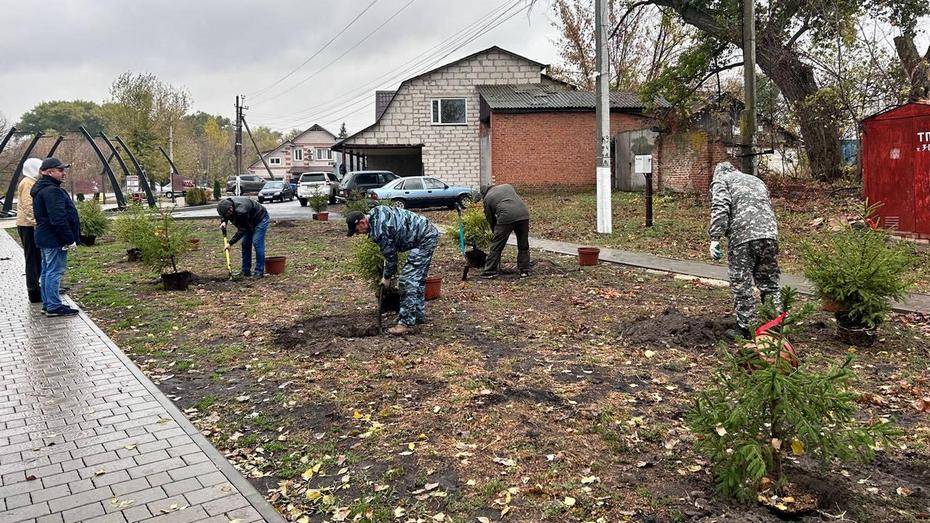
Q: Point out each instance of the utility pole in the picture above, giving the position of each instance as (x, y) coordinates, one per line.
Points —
(238, 145)
(748, 121)
(602, 118)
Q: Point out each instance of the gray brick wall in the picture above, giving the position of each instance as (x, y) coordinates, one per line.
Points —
(449, 152)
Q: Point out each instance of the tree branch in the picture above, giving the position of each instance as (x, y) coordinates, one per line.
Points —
(629, 10)
(804, 27)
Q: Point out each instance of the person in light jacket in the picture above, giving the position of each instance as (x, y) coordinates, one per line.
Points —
(26, 227)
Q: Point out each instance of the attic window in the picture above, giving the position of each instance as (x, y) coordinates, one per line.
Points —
(449, 111)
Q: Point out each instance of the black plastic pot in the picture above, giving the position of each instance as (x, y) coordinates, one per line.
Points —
(390, 301)
(177, 281)
(88, 240)
(134, 254)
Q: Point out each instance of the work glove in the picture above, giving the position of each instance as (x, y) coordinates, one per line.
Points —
(69, 247)
(715, 251)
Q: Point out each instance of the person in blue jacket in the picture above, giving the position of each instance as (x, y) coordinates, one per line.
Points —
(58, 230)
(398, 230)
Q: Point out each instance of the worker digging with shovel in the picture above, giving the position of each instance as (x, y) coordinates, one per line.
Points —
(396, 230)
(251, 221)
(506, 214)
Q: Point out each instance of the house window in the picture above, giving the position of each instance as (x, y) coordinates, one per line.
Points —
(274, 160)
(324, 154)
(449, 111)
(298, 155)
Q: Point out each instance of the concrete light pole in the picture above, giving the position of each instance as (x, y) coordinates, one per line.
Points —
(602, 118)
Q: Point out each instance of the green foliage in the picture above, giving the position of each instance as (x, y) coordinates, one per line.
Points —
(861, 269)
(760, 408)
(60, 116)
(167, 242)
(217, 190)
(477, 230)
(141, 110)
(318, 202)
(134, 224)
(366, 261)
(196, 196)
(357, 202)
(93, 221)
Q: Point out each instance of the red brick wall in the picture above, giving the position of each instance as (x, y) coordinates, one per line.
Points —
(546, 149)
(688, 160)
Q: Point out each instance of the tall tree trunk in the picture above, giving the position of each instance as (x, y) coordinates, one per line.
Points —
(818, 119)
(916, 67)
(794, 78)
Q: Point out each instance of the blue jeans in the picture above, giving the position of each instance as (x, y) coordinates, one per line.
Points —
(54, 263)
(255, 238)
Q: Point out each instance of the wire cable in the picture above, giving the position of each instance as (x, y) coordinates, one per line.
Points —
(318, 51)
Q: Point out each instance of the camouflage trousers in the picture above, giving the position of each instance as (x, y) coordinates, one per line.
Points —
(412, 282)
(754, 263)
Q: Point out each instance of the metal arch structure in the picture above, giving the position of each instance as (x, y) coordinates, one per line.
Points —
(171, 163)
(11, 190)
(51, 152)
(120, 200)
(143, 180)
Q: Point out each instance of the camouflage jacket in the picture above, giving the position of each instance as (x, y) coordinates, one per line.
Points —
(740, 207)
(397, 230)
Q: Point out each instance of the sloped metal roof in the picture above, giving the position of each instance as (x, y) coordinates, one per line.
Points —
(544, 97)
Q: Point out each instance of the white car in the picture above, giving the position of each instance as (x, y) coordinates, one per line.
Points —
(315, 183)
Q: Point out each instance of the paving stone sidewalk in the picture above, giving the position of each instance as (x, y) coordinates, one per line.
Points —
(913, 303)
(85, 436)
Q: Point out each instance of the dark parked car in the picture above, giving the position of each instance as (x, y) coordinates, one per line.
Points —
(360, 182)
(275, 190)
(248, 183)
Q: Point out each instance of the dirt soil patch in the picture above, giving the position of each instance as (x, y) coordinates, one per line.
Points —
(672, 328)
(561, 397)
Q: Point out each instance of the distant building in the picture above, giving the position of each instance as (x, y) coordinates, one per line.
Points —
(308, 151)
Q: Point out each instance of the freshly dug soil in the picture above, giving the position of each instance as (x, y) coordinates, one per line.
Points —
(317, 328)
(671, 327)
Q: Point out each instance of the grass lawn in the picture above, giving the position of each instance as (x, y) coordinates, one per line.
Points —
(680, 224)
(556, 398)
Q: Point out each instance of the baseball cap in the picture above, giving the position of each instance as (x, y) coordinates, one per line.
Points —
(53, 163)
(352, 219)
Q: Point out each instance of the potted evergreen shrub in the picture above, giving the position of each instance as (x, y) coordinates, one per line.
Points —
(94, 222)
(367, 263)
(163, 248)
(477, 232)
(132, 226)
(318, 203)
(857, 272)
(763, 406)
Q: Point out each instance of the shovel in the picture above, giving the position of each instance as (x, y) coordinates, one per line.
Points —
(458, 208)
(226, 251)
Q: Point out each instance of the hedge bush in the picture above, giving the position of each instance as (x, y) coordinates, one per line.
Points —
(93, 221)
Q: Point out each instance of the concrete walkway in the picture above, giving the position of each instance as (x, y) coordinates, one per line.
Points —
(913, 303)
(85, 436)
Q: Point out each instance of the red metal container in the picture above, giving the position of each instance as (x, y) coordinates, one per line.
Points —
(896, 167)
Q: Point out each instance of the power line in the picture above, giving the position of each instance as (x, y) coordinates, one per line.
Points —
(352, 101)
(347, 51)
(318, 51)
(410, 66)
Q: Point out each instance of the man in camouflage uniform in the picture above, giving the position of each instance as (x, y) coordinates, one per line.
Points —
(399, 230)
(742, 211)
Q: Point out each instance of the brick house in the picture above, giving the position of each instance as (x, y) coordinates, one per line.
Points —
(430, 125)
(543, 135)
(310, 150)
(692, 145)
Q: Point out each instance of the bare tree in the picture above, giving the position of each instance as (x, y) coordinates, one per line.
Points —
(643, 44)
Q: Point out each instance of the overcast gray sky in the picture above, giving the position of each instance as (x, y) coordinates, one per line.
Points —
(65, 50)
